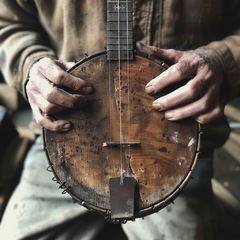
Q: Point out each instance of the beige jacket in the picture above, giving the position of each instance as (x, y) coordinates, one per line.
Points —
(66, 29)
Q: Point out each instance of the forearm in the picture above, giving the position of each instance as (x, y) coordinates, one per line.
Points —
(229, 55)
(22, 42)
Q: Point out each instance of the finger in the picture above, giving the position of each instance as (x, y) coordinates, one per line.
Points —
(185, 69)
(64, 65)
(54, 95)
(168, 55)
(195, 108)
(179, 97)
(65, 99)
(176, 73)
(48, 122)
(51, 71)
(189, 92)
(44, 105)
(209, 116)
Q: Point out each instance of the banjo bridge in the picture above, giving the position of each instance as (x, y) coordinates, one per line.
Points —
(121, 144)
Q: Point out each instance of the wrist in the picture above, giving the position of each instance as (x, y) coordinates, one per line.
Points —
(27, 66)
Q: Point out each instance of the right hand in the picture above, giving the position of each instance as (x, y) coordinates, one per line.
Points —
(200, 97)
(47, 79)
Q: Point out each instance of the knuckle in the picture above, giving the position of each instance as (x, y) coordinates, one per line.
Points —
(205, 104)
(59, 77)
(41, 64)
(47, 109)
(29, 87)
(213, 114)
(77, 85)
(49, 95)
(164, 104)
(191, 90)
(44, 61)
(40, 121)
(34, 70)
(195, 57)
(218, 111)
(55, 128)
(181, 68)
(194, 87)
(201, 119)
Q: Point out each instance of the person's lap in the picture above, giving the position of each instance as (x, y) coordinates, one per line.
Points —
(39, 210)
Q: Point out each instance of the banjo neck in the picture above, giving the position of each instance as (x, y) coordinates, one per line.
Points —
(120, 30)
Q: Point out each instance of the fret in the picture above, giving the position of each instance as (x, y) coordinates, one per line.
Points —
(122, 55)
(123, 34)
(120, 30)
(122, 25)
(122, 17)
(122, 47)
(121, 40)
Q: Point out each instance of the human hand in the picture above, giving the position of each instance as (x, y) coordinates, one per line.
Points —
(200, 96)
(45, 91)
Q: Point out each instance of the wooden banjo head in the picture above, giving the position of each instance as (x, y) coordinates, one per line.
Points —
(122, 158)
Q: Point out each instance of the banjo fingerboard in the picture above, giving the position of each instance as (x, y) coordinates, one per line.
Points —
(120, 30)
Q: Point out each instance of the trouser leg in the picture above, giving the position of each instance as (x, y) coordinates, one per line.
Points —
(37, 206)
(189, 218)
(38, 209)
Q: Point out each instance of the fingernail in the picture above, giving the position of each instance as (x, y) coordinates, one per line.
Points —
(87, 90)
(168, 115)
(66, 127)
(150, 90)
(157, 106)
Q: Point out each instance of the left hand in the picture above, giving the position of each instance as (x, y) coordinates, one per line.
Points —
(46, 95)
(200, 96)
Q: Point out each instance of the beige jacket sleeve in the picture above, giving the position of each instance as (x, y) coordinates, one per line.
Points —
(22, 42)
(228, 51)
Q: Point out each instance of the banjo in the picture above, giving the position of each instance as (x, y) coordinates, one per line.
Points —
(121, 158)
